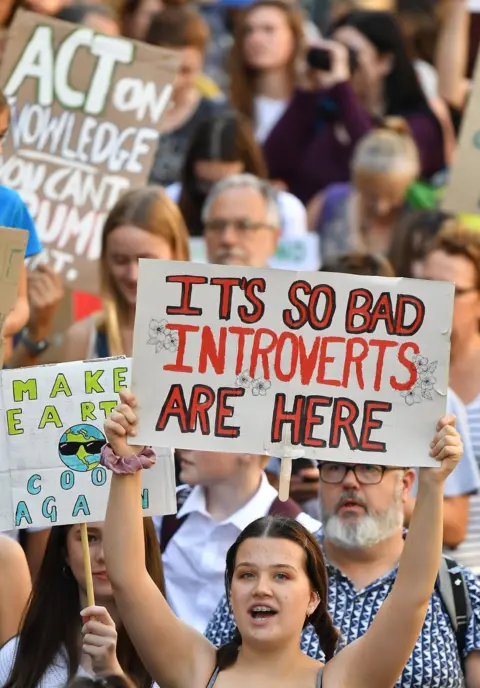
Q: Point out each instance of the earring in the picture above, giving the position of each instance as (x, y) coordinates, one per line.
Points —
(66, 572)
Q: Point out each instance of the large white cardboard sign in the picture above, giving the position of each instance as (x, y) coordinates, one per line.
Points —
(275, 362)
(86, 110)
(51, 436)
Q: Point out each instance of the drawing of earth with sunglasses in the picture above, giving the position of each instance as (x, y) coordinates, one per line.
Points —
(80, 446)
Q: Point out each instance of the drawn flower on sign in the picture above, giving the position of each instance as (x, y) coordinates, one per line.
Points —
(156, 331)
(244, 380)
(161, 337)
(412, 396)
(260, 386)
(171, 340)
(421, 363)
(425, 382)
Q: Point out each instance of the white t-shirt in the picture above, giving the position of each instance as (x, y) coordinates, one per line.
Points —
(293, 214)
(266, 113)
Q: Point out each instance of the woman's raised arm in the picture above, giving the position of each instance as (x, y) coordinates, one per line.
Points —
(377, 659)
(175, 655)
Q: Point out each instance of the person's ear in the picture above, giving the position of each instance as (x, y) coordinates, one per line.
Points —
(314, 602)
(408, 479)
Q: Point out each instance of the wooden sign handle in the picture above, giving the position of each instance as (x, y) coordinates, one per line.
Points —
(285, 476)
(87, 565)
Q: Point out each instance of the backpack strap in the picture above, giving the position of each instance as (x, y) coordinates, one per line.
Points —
(171, 524)
(289, 508)
(452, 588)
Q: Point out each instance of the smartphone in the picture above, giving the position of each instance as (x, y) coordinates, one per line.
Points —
(321, 59)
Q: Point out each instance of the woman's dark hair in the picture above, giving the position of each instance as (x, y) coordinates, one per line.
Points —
(52, 620)
(419, 23)
(221, 138)
(131, 7)
(412, 238)
(402, 92)
(77, 13)
(286, 529)
(359, 264)
(105, 682)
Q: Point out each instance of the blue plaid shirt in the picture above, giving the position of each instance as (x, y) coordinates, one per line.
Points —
(434, 663)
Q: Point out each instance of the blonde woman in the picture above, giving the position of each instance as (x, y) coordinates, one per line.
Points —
(361, 216)
(144, 223)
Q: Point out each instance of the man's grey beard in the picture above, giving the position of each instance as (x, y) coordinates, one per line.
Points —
(363, 531)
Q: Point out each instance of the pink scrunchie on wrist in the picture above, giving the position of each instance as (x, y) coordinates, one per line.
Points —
(125, 465)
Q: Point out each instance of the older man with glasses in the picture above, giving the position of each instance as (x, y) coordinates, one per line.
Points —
(241, 220)
(362, 538)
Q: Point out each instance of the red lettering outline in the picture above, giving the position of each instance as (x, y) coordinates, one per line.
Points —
(224, 411)
(187, 281)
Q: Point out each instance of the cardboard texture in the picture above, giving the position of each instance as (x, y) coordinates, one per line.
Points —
(86, 110)
(13, 243)
(51, 433)
(290, 364)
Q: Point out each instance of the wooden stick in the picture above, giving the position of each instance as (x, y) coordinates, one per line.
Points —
(88, 565)
(285, 475)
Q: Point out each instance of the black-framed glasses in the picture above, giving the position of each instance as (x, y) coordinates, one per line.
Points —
(91, 448)
(365, 473)
(241, 225)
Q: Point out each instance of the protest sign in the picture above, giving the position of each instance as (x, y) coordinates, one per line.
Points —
(13, 243)
(52, 434)
(462, 194)
(293, 253)
(283, 363)
(85, 111)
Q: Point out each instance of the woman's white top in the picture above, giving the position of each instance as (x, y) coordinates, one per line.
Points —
(56, 676)
(266, 113)
(428, 77)
(293, 214)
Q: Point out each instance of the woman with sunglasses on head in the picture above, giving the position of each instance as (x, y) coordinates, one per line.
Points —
(276, 583)
(57, 642)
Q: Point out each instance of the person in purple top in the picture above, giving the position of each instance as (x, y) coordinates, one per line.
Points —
(311, 145)
(267, 69)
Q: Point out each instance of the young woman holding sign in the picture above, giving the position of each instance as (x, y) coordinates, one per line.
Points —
(56, 643)
(276, 583)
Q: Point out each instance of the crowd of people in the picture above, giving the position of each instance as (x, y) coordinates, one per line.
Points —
(287, 120)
